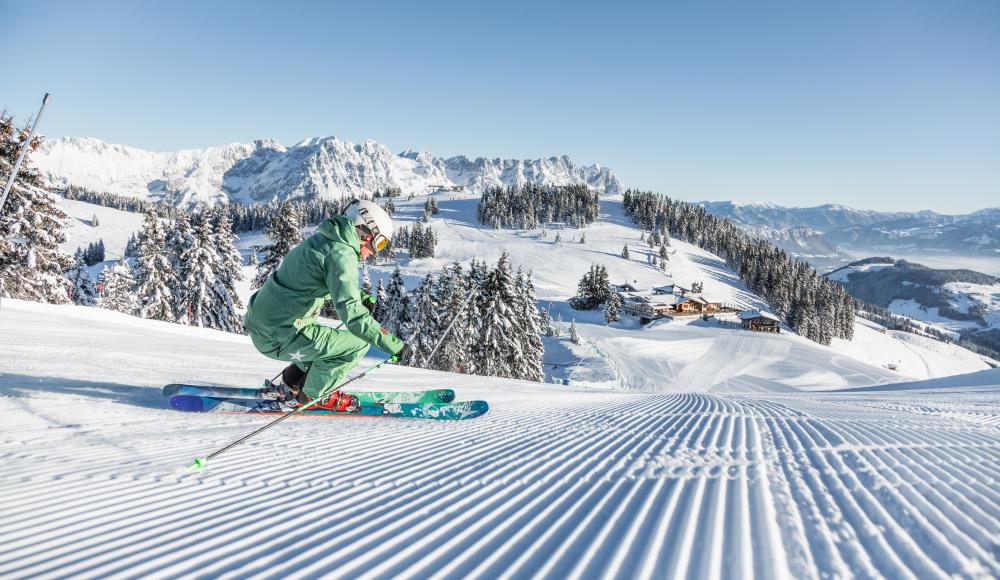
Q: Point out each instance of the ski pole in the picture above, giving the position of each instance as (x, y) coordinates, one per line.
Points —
(200, 462)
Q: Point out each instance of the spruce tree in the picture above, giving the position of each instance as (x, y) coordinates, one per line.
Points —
(453, 297)
(283, 231)
(381, 299)
(529, 325)
(612, 310)
(31, 227)
(423, 327)
(546, 323)
(228, 271)
(118, 285)
(196, 303)
(179, 238)
(83, 291)
(154, 276)
(625, 252)
(366, 281)
(574, 335)
(395, 313)
(497, 344)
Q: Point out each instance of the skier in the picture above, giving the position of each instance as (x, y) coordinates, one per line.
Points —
(281, 316)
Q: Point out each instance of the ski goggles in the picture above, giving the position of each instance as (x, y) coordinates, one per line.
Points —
(379, 241)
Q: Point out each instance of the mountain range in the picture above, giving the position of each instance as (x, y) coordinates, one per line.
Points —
(830, 235)
(265, 169)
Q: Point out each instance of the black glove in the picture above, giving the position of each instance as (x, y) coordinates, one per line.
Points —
(404, 354)
(368, 301)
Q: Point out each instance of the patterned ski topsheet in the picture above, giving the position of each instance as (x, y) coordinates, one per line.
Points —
(426, 396)
(443, 411)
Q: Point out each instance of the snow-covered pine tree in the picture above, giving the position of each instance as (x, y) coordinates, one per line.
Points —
(82, 289)
(366, 280)
(402, 237)
(625, 252)
(612, 309)
(415, 241)
(283, 231)
(574, 334)
(546, 323)
(583, 238)
(195, 305)
(497, 345)
(119, 288)
(664, 255)
(252, 258)
(454, 303)
(228, 271)
(381, 299)
(423, 328)
(529, 324)
(154, 276)
(395, 311)
(31, 227)
(178, 239)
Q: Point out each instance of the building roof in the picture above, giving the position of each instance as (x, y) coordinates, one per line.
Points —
(748, 314)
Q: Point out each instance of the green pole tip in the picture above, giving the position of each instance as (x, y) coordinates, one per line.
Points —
(197, 465)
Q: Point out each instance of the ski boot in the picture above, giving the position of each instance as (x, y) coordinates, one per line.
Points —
(339, 402)
(287, 391)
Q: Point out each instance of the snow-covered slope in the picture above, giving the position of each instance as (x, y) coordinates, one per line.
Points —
(553, 482)
(265, 169)
(673, 356)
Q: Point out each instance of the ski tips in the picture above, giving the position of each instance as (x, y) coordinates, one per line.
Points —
(197, 465)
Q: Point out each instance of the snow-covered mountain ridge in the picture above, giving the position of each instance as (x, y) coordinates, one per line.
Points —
(841, 234)
(265, 169)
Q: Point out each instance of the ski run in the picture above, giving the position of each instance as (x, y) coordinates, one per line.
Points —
(896, 480)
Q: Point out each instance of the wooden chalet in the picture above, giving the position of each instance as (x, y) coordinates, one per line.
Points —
(625, 288)
(672, 289)
(653, 306)
(760, 321)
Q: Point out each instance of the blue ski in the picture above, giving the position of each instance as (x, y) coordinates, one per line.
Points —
(425, 396)
(442, 411)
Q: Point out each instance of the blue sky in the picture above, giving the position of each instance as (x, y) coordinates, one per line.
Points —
(876, 104)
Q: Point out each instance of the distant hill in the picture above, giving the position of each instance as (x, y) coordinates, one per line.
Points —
(962, 301)
(836, 232)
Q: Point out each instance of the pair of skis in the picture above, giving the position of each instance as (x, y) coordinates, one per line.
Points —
(428, 404)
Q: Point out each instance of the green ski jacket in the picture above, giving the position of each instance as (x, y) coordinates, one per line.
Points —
(323, 266)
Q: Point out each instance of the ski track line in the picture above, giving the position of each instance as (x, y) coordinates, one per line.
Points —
(741, 485)
(506, 522)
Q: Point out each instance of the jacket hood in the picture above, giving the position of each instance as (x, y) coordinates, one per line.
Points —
(341, 229)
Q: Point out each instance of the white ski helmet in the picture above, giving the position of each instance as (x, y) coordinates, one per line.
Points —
(373, 218)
